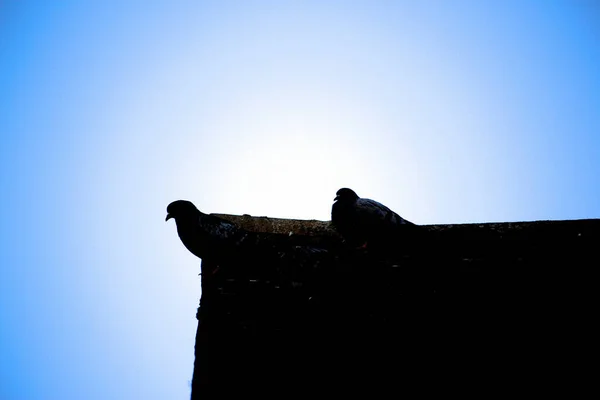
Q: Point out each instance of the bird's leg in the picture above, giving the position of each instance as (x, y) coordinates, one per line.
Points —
(209, 269)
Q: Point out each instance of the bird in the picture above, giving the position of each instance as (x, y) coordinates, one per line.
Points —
(202, 234)
(362, 221)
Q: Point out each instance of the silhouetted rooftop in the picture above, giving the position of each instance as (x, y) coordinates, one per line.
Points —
(293, 305)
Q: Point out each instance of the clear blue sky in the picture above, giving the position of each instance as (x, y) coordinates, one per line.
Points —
(446, 111)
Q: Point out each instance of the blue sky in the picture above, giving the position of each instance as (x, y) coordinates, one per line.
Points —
(446, 111)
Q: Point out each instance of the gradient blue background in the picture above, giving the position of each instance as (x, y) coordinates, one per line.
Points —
(446, 111)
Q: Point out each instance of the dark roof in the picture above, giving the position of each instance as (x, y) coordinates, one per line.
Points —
(459, 302)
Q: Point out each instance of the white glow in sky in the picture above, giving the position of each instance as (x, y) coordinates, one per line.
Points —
(446, 111)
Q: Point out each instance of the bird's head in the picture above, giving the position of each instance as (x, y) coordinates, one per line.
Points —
(180, 208)
(345, 194)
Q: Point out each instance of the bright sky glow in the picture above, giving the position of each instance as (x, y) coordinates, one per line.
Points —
(446, 111)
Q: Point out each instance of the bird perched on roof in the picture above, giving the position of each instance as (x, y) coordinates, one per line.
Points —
(361, 221)
(201, 234)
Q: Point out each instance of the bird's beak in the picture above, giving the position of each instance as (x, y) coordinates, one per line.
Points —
(169, 216)
(336, 198)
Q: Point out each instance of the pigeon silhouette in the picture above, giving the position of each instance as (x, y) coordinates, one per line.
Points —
(200, 233)
(363, 221)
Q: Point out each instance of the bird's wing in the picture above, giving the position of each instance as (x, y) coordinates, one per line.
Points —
(372, 213)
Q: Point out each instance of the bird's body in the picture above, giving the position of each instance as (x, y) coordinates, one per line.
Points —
(360, 220)
(200, 233)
